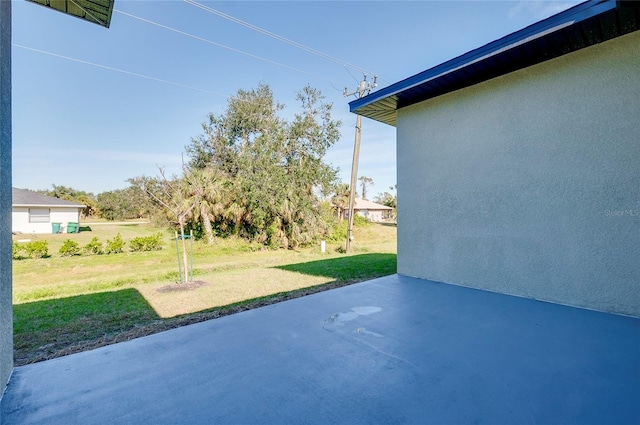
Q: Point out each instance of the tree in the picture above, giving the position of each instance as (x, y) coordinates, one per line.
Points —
(150, 189)
(177, 202)
(341, 198)
(388, 199)
(385, 199)
(122, 204)
(365, 183)
(204, 186)
(85, 198)
(270, 170)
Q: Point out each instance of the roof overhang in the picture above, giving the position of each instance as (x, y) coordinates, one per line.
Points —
(581, 26)
(79, 206)
(96, 11)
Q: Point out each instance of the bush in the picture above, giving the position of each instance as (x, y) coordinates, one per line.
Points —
(114, 246)
(195, 227)
(146, 243)
(360, 221)
(17, 251)
(338, 231)
(69, 248)
(93, 248)
(37, 249)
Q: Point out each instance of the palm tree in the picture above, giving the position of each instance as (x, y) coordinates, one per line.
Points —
(365, 182)
(204, 186)
(341, 198)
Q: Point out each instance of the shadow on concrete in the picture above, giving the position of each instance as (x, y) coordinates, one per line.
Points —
(51, 328)
(353, 267)
(390, 350)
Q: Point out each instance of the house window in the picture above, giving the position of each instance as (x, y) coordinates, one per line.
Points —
(39, 215)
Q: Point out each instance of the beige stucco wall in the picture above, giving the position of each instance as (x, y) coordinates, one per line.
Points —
(529, 184)
(371, 215)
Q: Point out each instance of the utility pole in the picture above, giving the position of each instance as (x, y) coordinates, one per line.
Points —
(364, 88)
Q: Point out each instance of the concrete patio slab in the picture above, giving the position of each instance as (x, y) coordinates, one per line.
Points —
(390, 350)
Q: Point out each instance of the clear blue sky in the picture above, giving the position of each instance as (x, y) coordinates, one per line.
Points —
(91, 128)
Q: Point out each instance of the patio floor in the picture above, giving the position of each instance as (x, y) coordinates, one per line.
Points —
(390, 350)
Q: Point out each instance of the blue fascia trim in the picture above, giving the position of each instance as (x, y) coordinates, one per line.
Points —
(562, 20)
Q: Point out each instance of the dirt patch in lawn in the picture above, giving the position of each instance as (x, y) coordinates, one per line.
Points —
(186, 286)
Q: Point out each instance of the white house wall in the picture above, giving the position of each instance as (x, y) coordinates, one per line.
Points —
(529, 184)
(20, 219)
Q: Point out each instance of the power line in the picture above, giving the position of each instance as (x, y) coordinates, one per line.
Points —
(345, 64)
(117, 70)
(224, 46)
(135, 74)
(273, 35)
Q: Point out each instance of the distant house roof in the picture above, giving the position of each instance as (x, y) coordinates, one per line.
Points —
(29, 198)
(363, 204)
(586, 24)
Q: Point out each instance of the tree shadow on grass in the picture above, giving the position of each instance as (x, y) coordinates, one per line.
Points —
(53, 328)
(349, 268)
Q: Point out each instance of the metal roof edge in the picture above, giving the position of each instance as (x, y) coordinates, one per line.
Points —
(564, 19)
(50, 205)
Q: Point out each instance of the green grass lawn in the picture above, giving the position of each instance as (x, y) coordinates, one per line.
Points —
(68, 304)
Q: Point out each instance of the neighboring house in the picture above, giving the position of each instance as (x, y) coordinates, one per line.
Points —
(369, 210)
(34, 212)
(519, 162)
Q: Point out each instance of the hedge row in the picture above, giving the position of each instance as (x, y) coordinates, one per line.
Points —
(40, 249)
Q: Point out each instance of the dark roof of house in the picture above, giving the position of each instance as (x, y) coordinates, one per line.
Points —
(583, 25)
(29, 198)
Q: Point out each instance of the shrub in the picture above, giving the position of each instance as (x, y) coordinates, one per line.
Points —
(146, 243)
(338, 231)
(115, 245)
(37, 249)
(69, 248)
(360, 221)
(94, 247)
(197, 229)
(17, 251)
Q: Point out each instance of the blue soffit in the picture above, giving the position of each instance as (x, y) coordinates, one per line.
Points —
(581, 26)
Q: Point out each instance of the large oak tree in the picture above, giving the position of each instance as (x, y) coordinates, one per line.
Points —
(268, 171)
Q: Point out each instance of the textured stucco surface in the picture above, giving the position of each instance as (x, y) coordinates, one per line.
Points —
(6, 312)
(529, 184)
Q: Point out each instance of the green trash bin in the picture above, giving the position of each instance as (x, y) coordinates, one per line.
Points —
(55, 227)
(72, 227)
